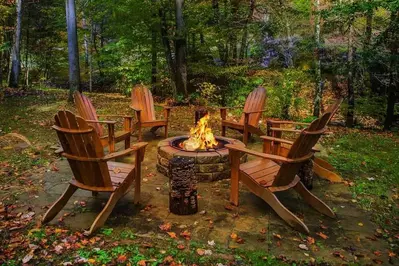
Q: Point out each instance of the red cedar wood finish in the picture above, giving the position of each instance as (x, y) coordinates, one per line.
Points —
(274, 172)
(143, 105)
(322, 168)
(249, 122)
(88, 112)
(91, 168)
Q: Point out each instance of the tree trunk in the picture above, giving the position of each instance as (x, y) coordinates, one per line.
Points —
(154, 59)
(244, 40)
(351, 90)
(369, 27)
(181, 49)
(319, 82)
(73, 49)
(168, 50)
(15, 55)
(393, 88)
(27, 51)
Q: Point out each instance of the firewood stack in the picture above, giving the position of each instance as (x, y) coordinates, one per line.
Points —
(183, 186)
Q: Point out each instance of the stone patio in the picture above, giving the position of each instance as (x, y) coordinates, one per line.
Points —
(253, 221)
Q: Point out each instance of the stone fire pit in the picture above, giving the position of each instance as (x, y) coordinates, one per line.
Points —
(210, 165)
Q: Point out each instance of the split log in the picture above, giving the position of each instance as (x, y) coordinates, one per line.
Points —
(183, 186)
(200, 113)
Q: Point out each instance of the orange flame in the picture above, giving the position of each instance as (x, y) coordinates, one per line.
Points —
(201, 136)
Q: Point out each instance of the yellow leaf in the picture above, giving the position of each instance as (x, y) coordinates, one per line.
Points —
(360, 224)
(233, 235)
(172, 234)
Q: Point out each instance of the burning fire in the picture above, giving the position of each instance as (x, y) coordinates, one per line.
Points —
(201, 137)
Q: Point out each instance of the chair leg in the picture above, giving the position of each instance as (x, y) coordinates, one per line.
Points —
(223, 131)
(166, 131)
(127, 142)
(59, 204)
(283, 212)
(325, 173)
(313, 201)
(139, 133)
(103, 216)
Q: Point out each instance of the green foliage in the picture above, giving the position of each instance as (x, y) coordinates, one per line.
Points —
(209, 94)
(107, 231)
(285, 99)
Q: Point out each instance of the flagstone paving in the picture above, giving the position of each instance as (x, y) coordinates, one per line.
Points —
(349, 238)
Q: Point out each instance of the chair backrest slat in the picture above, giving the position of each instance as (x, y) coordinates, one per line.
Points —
(255, 102)
(142, 100)
(332, 109)
(87, 111)
(301, 147)
(83, 145)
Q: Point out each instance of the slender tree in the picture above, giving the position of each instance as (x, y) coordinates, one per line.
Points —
(181, 50)
(350, 115)
(73, 50)
(16, 55)
(319, 82)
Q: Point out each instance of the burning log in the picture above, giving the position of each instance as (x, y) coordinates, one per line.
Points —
(201, 136)
(183, 186)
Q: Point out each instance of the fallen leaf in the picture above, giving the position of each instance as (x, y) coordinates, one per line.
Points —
(233, 236)
(278, 243)
(172, 234)
(27, 258)
(324, 227)
(165, 227)
(263, 231)
(360, 224)
(310, 240)
(211, 243)
(322, 235)
(303, 246)
(142, 263)
(200, 251)
(338, 254)
(181, 247)
(186, 235)
(122, 259)
(377, 261)
(116, 170)
(277, 236)
(228, 207)
(240, 240)
(168, 259)
(377, 253)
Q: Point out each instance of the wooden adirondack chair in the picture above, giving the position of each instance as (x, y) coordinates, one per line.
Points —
(86, 110)
(143, 105)
(249, 122)
(321, 167)
(274, 172)
(92, 169)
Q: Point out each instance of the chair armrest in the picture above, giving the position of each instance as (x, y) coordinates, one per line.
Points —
(276, 122)
(101, 122)
(285, 129)
(164, 106)
(135, 109)
(132, 149)
(267, 138)
(235, 107)
(269, 156)
(255, 112)
(121, 116)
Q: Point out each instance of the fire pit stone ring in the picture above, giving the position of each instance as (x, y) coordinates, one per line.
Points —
(210, 164)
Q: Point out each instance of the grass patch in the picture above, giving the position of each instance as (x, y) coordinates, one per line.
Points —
(370, 160)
